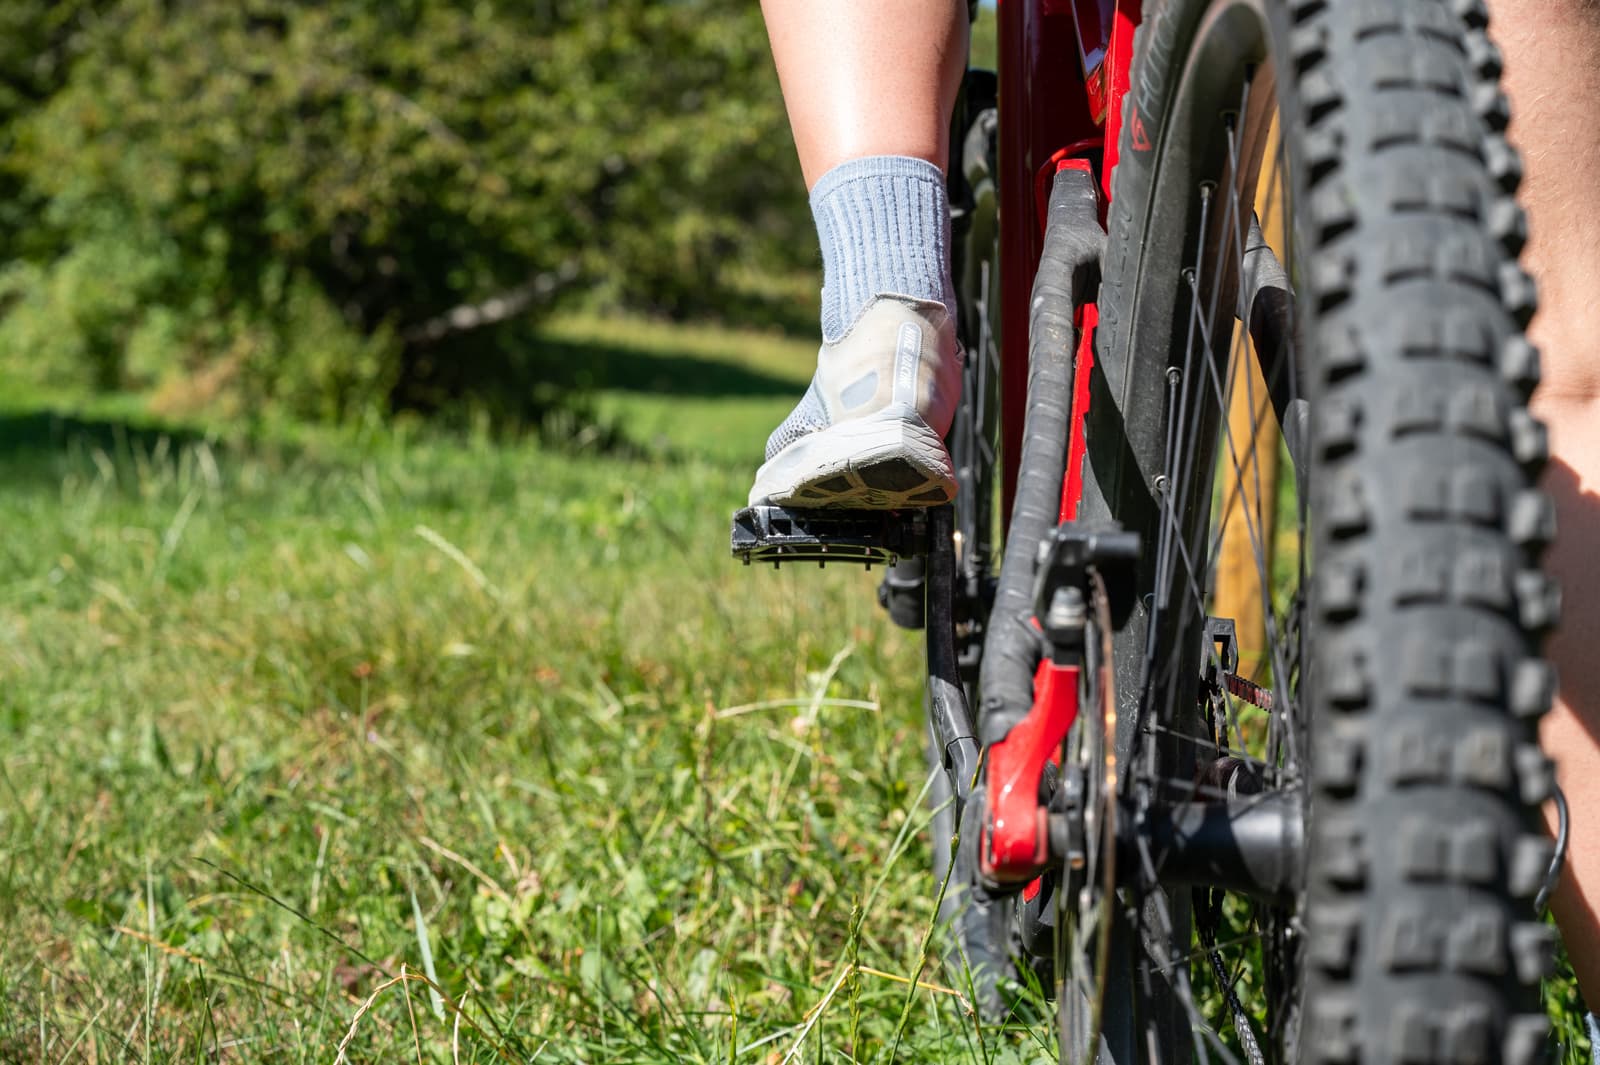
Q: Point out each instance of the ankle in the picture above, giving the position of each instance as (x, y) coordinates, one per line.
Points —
(883, 223)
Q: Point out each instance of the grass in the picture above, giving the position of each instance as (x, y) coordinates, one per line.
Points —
(413, 748)
(281, 724)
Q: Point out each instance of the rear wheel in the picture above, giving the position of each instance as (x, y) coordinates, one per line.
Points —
(1313, 236)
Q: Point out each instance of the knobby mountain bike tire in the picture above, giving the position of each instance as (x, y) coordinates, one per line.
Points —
(1403, 665)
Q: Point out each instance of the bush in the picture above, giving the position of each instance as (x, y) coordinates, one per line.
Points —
(69, 321)
(301, 205)
(113, 313)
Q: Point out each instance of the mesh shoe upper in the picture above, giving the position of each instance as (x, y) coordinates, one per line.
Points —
(899, 350)
(808, 417)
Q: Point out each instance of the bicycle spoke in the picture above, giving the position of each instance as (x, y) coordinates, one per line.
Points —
(1223, 395)
(1250, 525)
(1199, 1027)
(1233, 945)
(1284, 363)
(1188, 554)
(1211, 745)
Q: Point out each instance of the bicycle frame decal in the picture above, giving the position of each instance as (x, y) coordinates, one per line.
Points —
(1093, 19)
(1113, 83)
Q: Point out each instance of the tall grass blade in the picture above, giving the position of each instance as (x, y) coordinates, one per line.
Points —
(426, 950)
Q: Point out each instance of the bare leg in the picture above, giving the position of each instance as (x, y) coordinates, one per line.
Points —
(868, 77)
(1552, 54)
(869, 85)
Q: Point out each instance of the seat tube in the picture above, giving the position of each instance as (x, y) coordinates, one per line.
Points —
(1045, 105)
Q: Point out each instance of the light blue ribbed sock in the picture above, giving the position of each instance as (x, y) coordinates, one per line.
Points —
(884, 225)
(1594, 1037)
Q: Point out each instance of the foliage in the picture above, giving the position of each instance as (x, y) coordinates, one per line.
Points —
(328, 207)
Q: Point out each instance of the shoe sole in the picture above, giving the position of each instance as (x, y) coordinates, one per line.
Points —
(886, 461)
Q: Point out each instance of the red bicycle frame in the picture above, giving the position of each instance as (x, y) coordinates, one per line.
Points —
(1063, 76)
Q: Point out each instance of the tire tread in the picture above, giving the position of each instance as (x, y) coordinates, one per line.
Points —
(1426, 848)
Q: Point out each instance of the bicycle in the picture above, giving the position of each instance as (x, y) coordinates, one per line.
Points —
(1234, 236)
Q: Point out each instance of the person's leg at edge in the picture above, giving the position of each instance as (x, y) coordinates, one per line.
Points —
(1552, 58)
(869, 89)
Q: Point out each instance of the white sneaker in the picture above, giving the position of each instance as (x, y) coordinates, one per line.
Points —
(870, 431)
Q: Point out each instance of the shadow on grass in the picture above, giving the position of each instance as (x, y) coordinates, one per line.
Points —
(534, 385)
(38, 447)
(754, 310)
(588, 365)
(522, 383)
(25, 435)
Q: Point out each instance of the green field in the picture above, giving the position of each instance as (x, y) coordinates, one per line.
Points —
(290, 722)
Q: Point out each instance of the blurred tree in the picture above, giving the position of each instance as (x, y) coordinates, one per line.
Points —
(331, 205)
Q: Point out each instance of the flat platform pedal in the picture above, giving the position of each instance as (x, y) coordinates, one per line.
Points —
(854, 537)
